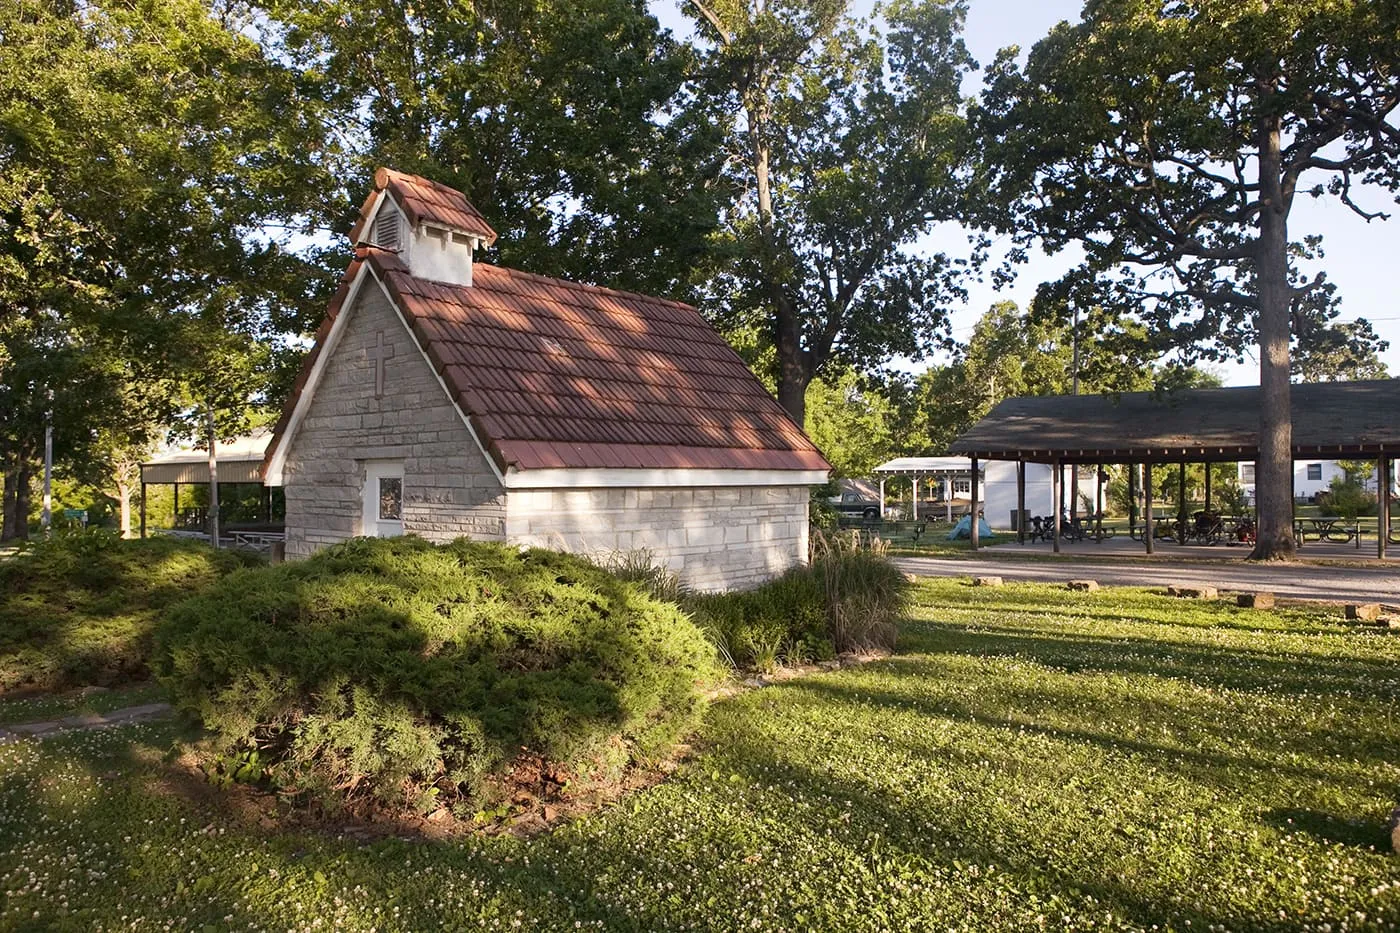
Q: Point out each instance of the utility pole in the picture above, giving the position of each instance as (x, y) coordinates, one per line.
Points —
(46, 518)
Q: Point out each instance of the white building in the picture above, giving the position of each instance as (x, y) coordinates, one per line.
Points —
(446, 398)
(1311, 477)
(946, 487)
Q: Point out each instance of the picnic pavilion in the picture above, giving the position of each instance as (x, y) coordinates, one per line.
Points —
(238, 472)
(1353, 420)
(952, 476)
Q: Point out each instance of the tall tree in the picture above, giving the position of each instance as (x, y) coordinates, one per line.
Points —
(1169, 138)
(149, 153)
(845, 145)
(567, 123)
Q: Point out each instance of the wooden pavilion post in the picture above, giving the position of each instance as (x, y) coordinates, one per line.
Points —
(1098, 500)
(1132, 498)
(882, 498)
(1181, 504)
(1021, 502)
(1292, 503)
(1147, 530)
(143, 510)
(175, 515)
(1073, 488)
(975, 522)
(1207, 487)
(1383, 503)
(1056, 484)
(914, 495)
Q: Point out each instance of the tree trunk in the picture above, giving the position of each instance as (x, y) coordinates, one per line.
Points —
(213, 483)
(794, 374)
(1274, 468)
(124, 507)
(794, 368)
(11, 509)
(24, 477)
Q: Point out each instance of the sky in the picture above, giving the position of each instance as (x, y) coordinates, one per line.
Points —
(1361, 258)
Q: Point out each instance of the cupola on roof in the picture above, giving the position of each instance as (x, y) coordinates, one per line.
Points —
(424, 201)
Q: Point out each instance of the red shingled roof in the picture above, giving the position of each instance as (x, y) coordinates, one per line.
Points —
(427, 201)
(554, 374)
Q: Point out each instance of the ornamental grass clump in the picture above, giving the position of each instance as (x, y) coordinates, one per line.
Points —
(848, 599)
(79, 609)
(399, 674)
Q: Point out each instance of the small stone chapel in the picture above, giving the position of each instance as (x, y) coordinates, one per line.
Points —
(448, 397)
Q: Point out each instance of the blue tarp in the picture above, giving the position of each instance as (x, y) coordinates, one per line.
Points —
(963, 529)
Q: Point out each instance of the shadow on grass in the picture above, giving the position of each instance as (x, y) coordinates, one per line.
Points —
(1218, 768)
(1131, 606)
(969, 851)
(1232, 667)
(1327, 827)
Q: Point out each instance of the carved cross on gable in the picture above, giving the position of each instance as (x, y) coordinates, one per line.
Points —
(380, 353)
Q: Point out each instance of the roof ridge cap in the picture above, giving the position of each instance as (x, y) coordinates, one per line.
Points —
(587, 286)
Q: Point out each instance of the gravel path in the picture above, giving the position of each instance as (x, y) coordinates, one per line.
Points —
(1291, 581)
(83, 721)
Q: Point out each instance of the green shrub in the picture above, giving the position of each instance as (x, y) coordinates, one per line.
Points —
(399, 673)
(846, 599)
(79, 609)
(1348, 498)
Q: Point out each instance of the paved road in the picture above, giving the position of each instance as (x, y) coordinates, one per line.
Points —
(1293, 581)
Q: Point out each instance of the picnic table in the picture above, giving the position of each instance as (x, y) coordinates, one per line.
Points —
(1334, 528)
(257, 540)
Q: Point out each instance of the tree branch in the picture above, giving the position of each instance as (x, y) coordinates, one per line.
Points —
(713, 19)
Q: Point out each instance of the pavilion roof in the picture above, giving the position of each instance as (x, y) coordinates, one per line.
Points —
(917, 466)
(1335, 419)
(240, 461)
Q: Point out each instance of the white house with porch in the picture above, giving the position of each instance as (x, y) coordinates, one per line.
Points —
(944, 486)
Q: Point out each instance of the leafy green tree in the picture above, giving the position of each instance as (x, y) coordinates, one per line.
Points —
(1339, 352)
(1014, 353)
(844, 144)
(147, 149)
(852, 422)
(1169, 138)
(52, 377)
(569, 124)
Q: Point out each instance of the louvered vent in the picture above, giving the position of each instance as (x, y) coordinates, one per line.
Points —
(386, 229)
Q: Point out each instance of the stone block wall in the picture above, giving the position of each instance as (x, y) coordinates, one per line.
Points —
(715, 538)
(449, 489)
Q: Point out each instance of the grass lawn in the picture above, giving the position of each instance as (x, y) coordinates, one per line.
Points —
(1030, 759)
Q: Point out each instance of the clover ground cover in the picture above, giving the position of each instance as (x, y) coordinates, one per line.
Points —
(1030, 759)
